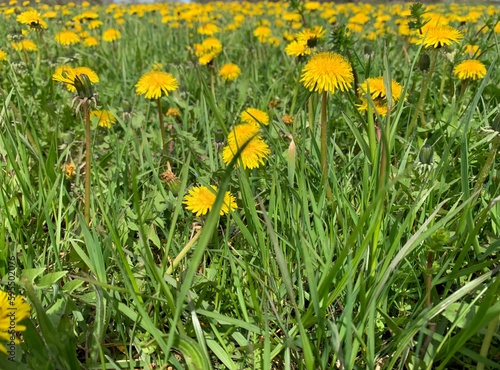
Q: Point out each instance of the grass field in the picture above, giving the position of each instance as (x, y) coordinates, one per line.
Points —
(280, 185)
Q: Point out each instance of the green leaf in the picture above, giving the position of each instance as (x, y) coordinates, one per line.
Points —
(51, 278)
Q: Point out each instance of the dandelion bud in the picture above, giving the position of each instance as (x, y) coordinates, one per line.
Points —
(172, 181)
(424, 62)
(83, 86)
(426, 155)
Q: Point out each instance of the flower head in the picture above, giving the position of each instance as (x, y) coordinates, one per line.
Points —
(376, 88)
(327, 71)
(105, 118)
(3, 56)
(27, 45)
(297, 49)
(439, 36)
(69, 169)
(67, 38)
(68, 75)
(229, 71)
(9, 304)
(245, 142)
(255, 117)
(470, 69)
(111, 35)
(33, 19)
(201, 199)
(310, 36)
(153, 83)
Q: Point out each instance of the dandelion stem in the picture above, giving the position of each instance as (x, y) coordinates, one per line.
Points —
(324, 147)
(483, 174)
(88, 160)
(163, 129)
(419, 111)
(183, 252)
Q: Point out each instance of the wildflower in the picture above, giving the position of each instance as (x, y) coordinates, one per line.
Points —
(171, 180)
(201, 199)
(327, 71)
(376, 88)
(69, 169)
(439, 36)
(229, 71)
(3, 56)
(92, 25)
(33, 19)
(90, 42)
(297, 49)
(287, 119)
(105, 118)
(9, 323)
(310, 37)
(68, 75)
(67, 38)
(255, 117)
(262, 33)
(153, 83)
(208, 29)
(111, 35)
(470, 69)
(173, 112)
(245, 141)
(27, 45)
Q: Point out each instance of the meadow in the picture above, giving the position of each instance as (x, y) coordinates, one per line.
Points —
(287, 185)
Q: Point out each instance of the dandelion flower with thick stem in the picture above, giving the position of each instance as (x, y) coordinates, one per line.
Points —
(105, 118)
(67, 75)
(439, 36)
(327, 71)
(470, 69)
(201, 199)
(255, 117)
(245, 142)
(229, 72)
(32, 19)
(152, 84)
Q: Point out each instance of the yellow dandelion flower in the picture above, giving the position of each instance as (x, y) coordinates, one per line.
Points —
(255, 117)
(439, 36)
(92, 25)
(208, 29)
(245, 141)
(206, 58)
(67, 75)
(287, 119)
(173, 112)
(3, 56)
(311, 36)
(201, 199)
(90, 42)
(153, 83)
(375, 86)
(9, 322)
(27, 45)
(33, 19)
(111, 35)
(470, 69)
(262, 33)
(327, 71)
(105, 118)
(472, 49)
(69, 169)
(297, 49)
(229, 71)
(67, 38)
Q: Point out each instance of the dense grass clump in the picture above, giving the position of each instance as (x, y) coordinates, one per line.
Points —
(249, 186)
